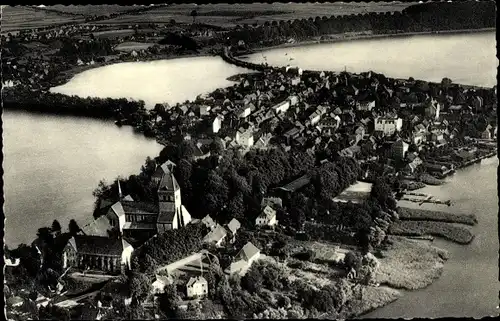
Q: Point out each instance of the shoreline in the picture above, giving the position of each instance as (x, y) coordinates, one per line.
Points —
(366, 35)
(67, 75)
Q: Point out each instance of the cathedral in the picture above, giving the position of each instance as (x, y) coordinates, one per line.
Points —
(142, 219)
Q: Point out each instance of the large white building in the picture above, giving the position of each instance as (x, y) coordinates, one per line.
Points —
(388, 124)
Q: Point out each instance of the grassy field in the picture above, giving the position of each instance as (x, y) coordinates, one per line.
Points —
(229, 15)
(410, 264)
(449, 231)
(426, 215)
(19, 18)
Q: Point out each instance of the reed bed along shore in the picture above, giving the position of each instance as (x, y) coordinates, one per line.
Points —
(410, 214)
(409, 264)
(457, 234)
(372, 298)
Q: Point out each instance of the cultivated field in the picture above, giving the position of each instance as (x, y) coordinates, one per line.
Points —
(229, 15)
(19, 18)
(94, 10)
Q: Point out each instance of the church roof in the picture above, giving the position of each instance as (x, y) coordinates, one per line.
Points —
(97, 245)
(118, 209)
(139, 207)
(168, 182)
(100, 226)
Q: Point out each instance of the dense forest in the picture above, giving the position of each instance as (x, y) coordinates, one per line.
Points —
(434, 16)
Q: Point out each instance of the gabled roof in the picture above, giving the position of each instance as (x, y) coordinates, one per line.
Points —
(198, 279)
(100, 227)
(208, 221)
(98, 245)
(217, 234)
(139, 207)
(234, 225)
(248, 252)
(117, 208)
(168, 182)
(268, 212)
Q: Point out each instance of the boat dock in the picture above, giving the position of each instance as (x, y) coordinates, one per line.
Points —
(422, 198)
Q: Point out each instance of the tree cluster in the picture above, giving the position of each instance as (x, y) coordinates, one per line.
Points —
(168, 247)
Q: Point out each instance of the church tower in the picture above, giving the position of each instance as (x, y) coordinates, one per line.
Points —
(169, 199)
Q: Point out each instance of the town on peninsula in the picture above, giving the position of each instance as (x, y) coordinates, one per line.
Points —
(290, 193)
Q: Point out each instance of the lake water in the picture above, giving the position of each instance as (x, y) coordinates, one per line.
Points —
(52, 164)
(464, 58)
(171, 81)
(469, 286)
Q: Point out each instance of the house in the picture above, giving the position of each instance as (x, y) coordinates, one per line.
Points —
(244, 259)
(158, 286)
(432, 109)
(15, 301)
(209, 222)
(216, 236)
(201, 151)
(295, 81)
(399, 149)
(488, 133)
(415, 162)
(437, 135)
(97, 253)
(216, 124)
(281, 107)
(272, 202)
(267, 217)
(196, 287)
(388, 125)
(233, 226)
(365, 105)
(294, 100)
(243, 112)
(204, 110)
(244, 137)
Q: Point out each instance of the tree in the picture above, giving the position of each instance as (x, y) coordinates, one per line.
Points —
(352, 260)
(252, 281)
(56, 227)
(139, 286)
(193, 14)
(216, 147)
(73, 227)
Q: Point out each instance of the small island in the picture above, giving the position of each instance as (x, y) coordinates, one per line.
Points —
(278, 197)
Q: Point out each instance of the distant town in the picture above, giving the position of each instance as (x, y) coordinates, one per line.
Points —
(276, 197)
